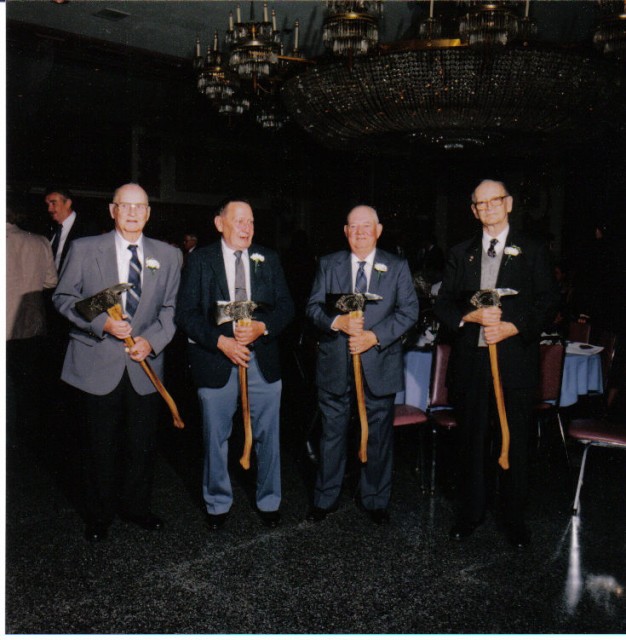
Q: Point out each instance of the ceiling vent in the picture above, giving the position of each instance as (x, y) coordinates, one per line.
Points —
(113, 15)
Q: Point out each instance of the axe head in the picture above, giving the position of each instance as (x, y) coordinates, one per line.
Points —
(91, 307)
(347, 302)
(490, 297)
(226, 311)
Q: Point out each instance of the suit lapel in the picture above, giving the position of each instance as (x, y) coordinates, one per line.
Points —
(150, 276)
(343, 274)
(472, 262)
(106, 259)
(507, 264)
(377, 277)
(216, 263)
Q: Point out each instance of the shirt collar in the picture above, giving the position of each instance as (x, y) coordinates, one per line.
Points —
(501, 237)
(122, 243)
(369, 259)
(69, 221)
(227, 251)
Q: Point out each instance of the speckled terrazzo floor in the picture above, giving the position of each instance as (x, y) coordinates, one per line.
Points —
(344, 575)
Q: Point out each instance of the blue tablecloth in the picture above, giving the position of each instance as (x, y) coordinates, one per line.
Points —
(416, 379)
(581, 374)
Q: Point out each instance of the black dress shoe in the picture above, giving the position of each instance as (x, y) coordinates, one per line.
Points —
(96, 532)
(216, 521)
(378, 516)
(317, 514)
(518, 535)
(463, 529)
(149, 522)
(270, 519)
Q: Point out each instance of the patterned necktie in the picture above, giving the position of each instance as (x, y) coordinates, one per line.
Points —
(361, 280)
(56, 238)
(491, 252)
(240, 278)
(134, 278)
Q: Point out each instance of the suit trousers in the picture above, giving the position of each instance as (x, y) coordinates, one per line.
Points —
(479, 442)
(218, 407)
(375, 480)
(119, 449)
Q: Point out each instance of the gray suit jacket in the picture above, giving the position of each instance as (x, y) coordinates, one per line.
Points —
(95, 361)
(389, 319)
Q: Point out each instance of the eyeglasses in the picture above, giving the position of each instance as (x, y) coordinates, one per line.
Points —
(125, 207)
(493, 202)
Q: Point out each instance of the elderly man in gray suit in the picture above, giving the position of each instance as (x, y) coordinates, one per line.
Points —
(376, 337)
(120, 403)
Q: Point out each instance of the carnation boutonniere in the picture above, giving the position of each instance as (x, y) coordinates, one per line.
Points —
(380, 268)
(153, 264)
(512, 251)
(257, 258)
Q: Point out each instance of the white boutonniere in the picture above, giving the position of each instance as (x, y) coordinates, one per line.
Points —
(513, 250)
(257, 258)
(380, 268)
(152, 264)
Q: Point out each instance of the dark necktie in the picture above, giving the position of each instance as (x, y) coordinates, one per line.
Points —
(491, 252)
(56, 238)
(240, 278)
(360, 285)
(134, 278)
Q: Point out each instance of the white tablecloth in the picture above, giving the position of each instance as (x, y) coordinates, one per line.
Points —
(416, 379)
(581, 374)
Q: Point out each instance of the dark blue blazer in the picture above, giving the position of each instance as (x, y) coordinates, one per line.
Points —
(389, 319)
(531, 310)
(203, 284)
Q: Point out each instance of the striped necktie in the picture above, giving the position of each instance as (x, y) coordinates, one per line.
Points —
(240, 278)
(361, 279)
(491, 252)
(134, 278)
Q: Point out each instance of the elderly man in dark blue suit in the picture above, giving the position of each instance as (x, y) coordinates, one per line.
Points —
(236, 269)
(376, 337)
(497, 256)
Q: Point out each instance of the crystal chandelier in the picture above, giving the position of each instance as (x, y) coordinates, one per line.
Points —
(488, 24)
(351, 28)
(610, 37)
(254, 46)
(213, 80)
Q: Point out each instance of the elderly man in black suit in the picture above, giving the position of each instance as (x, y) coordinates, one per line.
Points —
(500, 257)
(230, 270)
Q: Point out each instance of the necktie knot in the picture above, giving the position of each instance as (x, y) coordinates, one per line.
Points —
(491, 252)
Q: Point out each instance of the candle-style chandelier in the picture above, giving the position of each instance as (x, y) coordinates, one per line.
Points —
(351, 28)
(492, 23)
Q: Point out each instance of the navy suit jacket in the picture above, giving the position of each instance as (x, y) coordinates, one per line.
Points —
(531, 310)
(389, 319)
(95, 361)
(203, 284)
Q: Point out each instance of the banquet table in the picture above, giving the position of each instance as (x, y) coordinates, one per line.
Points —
(417, 366)
(581, 374)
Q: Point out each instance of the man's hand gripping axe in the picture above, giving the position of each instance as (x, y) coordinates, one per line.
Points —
(491, 298)
(241, 313)
(108, 301)
(354, 303)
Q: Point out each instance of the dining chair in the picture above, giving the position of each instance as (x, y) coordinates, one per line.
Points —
(594, 432)
(552, 359)
(439, 412)
(408, 415)
(578, 331)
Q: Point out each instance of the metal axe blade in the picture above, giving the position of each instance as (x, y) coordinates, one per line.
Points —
(90, 308)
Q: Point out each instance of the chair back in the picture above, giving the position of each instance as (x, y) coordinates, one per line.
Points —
(438, 385)
(552, 357)
(578, 332)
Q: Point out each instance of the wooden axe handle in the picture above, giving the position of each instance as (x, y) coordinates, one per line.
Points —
(503, 461)
(360, 397)
(115, 312)
(244, 461)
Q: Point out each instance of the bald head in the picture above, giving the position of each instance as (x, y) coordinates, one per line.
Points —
(363, 230)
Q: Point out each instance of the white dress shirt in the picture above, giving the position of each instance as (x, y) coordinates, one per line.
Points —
(229, 265)
(123, 259)
(369, 264)
(501, 237)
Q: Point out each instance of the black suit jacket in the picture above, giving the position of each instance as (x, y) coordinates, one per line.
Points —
(81, 228)
(531, 310)
(203, 284)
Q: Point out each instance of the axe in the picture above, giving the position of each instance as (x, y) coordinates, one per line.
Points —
(491, 298)
(240, 312)
(354, 303)
(108, 301)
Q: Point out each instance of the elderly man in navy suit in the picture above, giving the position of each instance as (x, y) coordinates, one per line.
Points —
(376, 337)
(120, 402)
(228, 270)
(496, 256)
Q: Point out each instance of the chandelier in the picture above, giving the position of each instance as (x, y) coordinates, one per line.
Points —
(351, 28)
(610, 38)
(488, 24)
